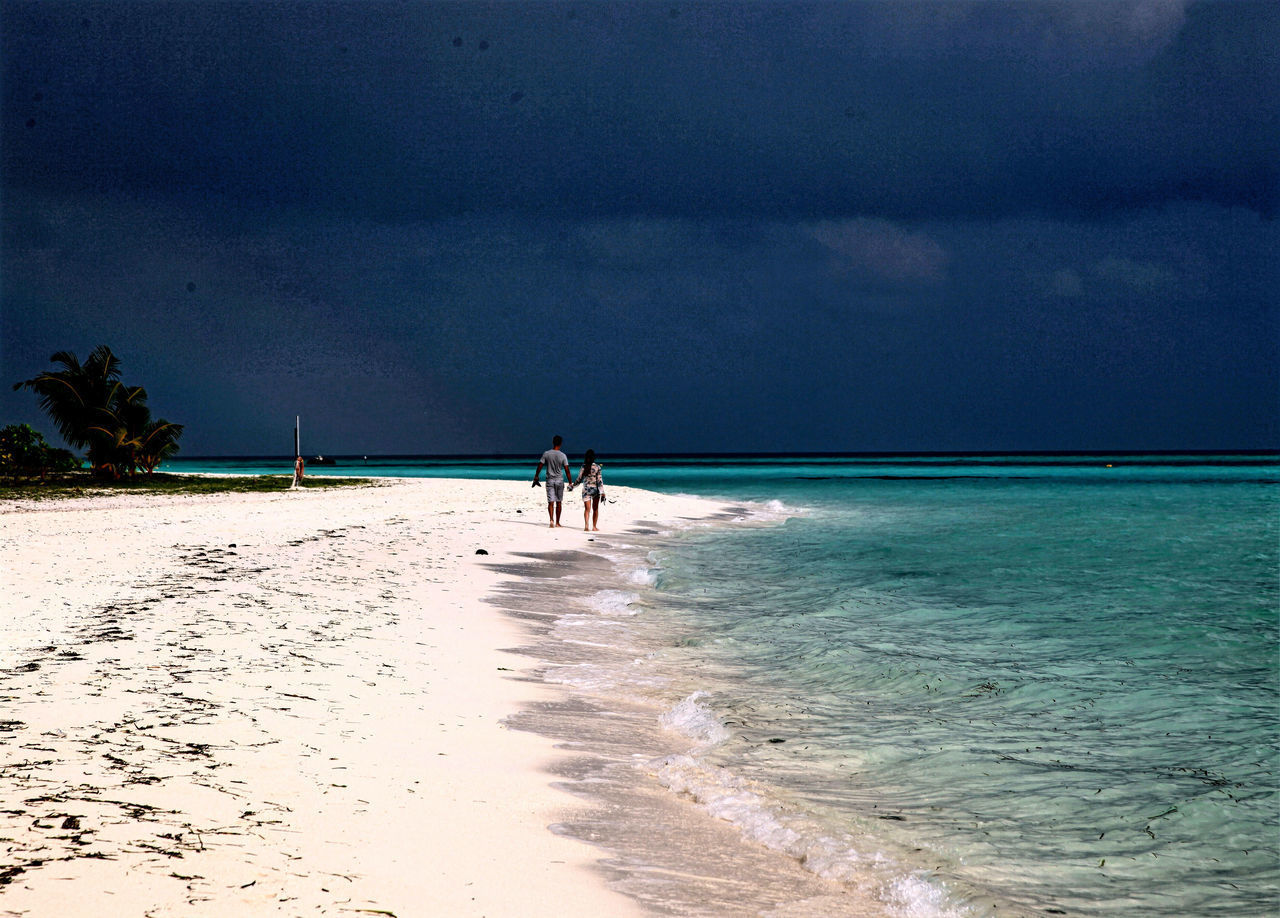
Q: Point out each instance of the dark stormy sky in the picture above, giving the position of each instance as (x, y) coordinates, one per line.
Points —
(461, 227)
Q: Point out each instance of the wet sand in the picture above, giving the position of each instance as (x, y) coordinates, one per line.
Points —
(666, 850)
(287, 704)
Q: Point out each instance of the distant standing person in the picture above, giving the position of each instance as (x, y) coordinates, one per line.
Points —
(299, 470)
(557, 464)
(592, 480)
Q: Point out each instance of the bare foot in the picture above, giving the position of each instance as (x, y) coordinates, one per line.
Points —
(595, 528)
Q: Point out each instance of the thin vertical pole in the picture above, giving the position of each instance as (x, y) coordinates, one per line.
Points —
(297, 424)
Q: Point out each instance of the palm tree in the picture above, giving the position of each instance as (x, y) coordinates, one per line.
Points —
(75, 396)
(93, 409)
(158, 440)
(116, 429)
(136, 440)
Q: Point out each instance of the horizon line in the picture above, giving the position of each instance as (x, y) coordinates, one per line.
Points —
(814, 454)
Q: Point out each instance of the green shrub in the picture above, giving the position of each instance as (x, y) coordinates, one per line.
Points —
(24, 453)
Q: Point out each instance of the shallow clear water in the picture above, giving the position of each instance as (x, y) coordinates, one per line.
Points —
(1028, 684)
(1061, 693)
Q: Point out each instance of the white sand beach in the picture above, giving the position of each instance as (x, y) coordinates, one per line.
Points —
(283, 704)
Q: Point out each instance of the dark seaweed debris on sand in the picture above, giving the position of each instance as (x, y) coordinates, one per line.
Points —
(144, 663)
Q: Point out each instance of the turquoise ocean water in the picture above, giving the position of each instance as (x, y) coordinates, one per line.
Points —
(1036, 685)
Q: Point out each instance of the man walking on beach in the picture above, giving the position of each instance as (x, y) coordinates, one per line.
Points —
(557, 464)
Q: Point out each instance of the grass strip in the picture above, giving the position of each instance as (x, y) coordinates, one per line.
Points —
(84, 485)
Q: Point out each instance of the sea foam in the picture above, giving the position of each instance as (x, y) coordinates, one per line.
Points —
(615, 603)
(751, 808)
(695, 720)
(643, 577)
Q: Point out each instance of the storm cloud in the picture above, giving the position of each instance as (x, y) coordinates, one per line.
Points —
(450, 226)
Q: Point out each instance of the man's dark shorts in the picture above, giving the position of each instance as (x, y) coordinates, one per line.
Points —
(555, 491)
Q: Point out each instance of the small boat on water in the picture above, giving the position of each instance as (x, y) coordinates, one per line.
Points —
(297, 445)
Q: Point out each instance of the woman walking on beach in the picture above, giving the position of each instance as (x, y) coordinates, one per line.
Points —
(592, 479)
